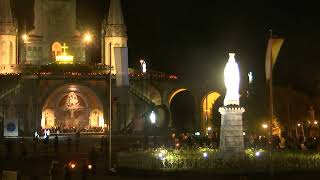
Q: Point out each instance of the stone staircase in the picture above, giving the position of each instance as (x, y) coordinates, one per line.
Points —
(10, 91)
(137, 92)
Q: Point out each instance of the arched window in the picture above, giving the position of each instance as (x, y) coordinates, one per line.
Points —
(35, 52)
(56, 48)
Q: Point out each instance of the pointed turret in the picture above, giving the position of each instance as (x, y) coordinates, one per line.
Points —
(115, 26)
(115, 36)
(8, 37)
(5, 12)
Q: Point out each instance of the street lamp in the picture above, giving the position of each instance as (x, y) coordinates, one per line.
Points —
(25, 39)
(152, 117)
(87, 39)
(264, 126)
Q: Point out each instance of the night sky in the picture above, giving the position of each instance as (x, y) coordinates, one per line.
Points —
(192, 38)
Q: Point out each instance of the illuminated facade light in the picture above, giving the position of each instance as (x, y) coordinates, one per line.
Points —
(64, 58)
(315, 122)
(87, 38)
(209, 128)
(257, 153)
(73, 165)
(25, 38)
(264, 126)
(197, 133)
(205, 155)
(298, 124)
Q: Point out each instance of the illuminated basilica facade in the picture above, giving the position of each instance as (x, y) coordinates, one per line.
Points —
(47, 83)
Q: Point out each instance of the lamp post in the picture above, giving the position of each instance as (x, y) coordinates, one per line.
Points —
(110, 108)
(143, 70)
(87, 39)
(25, 39)
(152, 119)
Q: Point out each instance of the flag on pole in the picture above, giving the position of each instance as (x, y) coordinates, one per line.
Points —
(273, 49)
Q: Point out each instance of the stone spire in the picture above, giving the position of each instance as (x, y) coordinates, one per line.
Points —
(5, 12)
(115, 26)
(7, 25)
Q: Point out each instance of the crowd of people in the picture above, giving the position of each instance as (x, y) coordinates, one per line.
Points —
(59, 129)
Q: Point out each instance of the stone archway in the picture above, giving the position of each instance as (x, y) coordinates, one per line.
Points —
(73, 106)
(208, 107)
(182, 105)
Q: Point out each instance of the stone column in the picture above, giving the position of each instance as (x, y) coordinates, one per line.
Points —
(231, 133)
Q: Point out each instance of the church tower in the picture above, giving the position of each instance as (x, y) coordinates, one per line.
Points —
(8, 37)
(55, 23)
(115, 33)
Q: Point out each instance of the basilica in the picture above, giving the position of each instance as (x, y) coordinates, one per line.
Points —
(48, 83)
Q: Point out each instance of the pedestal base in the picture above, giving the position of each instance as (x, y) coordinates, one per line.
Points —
(231, 133)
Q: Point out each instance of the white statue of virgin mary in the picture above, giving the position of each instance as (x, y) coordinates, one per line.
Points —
(232, 81)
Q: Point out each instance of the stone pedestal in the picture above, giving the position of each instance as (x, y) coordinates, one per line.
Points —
(231, 133)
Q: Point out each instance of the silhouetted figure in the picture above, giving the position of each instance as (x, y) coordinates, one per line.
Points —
(137, 145)
(35, 144)
(54, 171)
(69, 144)
(84, 171)
(146, 142)
(77, 141)
(56, 144)
(155, 142)
(23, 149)
(9, 147)
(93, 158)
(67, 171)
(102, 143)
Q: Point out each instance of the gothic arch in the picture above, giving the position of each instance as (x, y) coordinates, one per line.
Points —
(80, 115)
(207, 108)
(182, 115)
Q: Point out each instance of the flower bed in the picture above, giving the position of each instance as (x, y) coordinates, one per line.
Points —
(253, 161)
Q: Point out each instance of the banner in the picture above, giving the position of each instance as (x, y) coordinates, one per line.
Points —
(121, 63)
(273, 49)
(11, 127)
